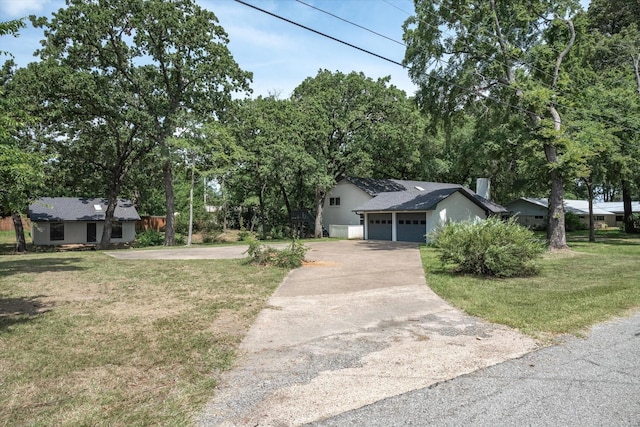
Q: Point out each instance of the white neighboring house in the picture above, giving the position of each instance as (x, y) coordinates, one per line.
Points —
(532, 212)
(398, 210)
(69, 220)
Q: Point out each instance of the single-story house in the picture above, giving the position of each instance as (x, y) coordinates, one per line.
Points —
(67, 220)
(532, 212)
(399, 210)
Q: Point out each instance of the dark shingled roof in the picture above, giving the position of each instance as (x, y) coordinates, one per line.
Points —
(374, 187)
(79, 209)
(400, 195)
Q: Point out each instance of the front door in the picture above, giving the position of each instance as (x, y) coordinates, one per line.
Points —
(91, 232)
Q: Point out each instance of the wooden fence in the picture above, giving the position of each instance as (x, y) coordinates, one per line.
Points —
(6, 224)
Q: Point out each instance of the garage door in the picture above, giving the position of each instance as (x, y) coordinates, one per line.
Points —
(411, 227)
(379, 226)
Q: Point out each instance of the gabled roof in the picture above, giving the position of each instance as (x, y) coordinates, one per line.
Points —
(79, 209)
(401, 195)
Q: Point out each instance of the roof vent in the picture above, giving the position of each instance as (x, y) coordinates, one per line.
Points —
(418, 188)
(97, 207)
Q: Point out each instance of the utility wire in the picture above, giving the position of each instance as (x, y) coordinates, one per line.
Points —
(352, 23)
(430, 76)
(320, 33)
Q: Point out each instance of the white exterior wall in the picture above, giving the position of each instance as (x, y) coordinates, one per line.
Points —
(350, 198)
(455, 208)
(76, 232)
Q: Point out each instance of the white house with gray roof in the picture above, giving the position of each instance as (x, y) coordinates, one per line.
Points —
(399, 210)
(79, 220)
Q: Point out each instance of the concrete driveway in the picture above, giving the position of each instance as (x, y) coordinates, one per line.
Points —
(354, 326)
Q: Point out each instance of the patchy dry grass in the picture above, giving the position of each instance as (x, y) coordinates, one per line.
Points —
(86, 339)
(575, 289)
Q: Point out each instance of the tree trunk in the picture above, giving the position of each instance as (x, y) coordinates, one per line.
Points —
(262, 215)
(592, 231)
(112, 202)
(167, 178)
(287, 204)
(191, 203)
(320, 196)
(629, 226)
(556, 235)
(21, 242)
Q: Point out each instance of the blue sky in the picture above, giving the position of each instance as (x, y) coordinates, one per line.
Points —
(281, 55)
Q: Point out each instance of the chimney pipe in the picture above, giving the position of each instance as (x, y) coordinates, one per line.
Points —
(483, 187)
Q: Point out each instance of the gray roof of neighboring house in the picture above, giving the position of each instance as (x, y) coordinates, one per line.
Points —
(401, 195)
(581, 207)
(79, 209)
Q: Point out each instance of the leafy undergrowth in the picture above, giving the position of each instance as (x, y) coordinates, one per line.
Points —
(574, 290)
(86, 339)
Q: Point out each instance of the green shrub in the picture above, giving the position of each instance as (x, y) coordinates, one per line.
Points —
(245, 235)
(490, 248)
(290, 257)
(212, 236)
(572, 222)
(149, 237)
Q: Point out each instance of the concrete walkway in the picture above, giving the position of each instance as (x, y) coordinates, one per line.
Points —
(353, 327)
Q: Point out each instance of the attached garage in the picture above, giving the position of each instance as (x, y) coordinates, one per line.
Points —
(409, 216)
(379, 226)
(411, 226)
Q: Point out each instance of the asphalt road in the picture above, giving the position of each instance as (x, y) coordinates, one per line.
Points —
(582, 382)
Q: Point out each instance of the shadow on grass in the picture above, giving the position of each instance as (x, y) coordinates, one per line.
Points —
(14, 311)
(18, 265)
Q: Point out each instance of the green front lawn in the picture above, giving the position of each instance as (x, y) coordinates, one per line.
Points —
(575, 289)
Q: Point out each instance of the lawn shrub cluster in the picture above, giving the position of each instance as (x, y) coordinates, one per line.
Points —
(149, 237)
(289, 257)
(489, 248)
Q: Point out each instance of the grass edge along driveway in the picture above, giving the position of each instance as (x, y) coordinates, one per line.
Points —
(574, 290)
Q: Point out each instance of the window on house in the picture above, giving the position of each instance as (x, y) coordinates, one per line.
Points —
(539, 217)
(377, 221)
(56, 231)
(361, 219)
(619, 217)
(598, 217)
(334, 201)
(416, 222)
(371, 221)
(116, 230)
(423, 222)
(401, 221)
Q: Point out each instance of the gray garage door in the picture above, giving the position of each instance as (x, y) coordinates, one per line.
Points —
(411, 227)
(379, 226)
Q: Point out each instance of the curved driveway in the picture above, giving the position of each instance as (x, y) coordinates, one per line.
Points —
(355, 325)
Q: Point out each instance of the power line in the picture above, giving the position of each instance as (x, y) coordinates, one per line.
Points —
(320, 33)
(352, 23)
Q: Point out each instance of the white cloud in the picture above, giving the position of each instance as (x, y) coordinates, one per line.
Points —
(20, 8)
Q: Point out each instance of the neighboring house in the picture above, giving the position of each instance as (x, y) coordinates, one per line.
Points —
(66, 220)
(532, 212)
(397, 210)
